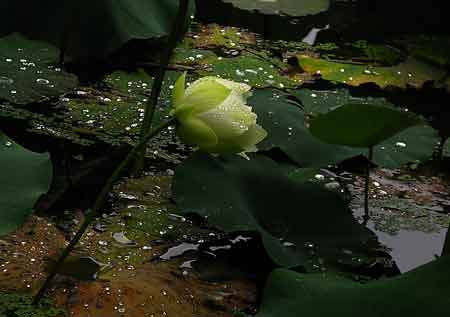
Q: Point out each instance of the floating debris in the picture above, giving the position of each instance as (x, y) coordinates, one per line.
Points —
(120, 238)
(179, 250)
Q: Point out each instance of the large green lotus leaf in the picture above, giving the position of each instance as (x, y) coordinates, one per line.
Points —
(446, 150)
(415, 144)
(236, 194)
(361, 125)
(285, 124)
(289, 7)
(90, 28)
(29, 71)
(422, 292)
(302, 175)
(24, 177)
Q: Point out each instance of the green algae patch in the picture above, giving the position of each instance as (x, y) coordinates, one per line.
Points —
(434, 49)
(379, 53)
(19, 305)
(410, 73)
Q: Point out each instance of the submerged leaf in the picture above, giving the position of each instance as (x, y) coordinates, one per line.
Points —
(412, 72)
(256, 72)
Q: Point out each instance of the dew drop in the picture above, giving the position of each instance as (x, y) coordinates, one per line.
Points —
(332, 185)
(42, 81)
(6, 80)
(319, 177)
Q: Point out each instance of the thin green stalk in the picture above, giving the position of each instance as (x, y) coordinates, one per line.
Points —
(367, 187)
(446, 250)
(175, 34)
(94, 212)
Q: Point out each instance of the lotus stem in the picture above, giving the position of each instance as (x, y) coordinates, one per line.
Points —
(446, 250)
(174, 35)
(367, 187)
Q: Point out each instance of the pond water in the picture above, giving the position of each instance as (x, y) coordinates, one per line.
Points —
(411, 249)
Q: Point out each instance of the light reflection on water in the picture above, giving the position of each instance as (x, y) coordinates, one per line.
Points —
(408, 248)
(411, 249)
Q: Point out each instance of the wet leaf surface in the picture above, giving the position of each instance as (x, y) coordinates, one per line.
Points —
(29, 71)
(254, 71)
(292, 294)
(322, 101)
(116, 112)
(25, 177)
(288, 215)
(285, 123)
(415, 144)
(289, 7)
(361, 125)
(101, 29)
